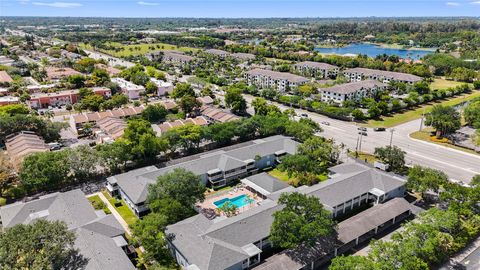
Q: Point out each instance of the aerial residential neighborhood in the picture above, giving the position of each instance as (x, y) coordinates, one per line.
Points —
(232, 135)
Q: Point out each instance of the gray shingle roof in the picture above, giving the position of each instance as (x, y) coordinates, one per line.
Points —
(267, 182)
(318, 65)
(353, 87)
(278, 75)
(134, 183)
(389, 74)
(197, 236)
(94, 233)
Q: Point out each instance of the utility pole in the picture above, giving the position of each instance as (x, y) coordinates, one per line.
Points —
(422, 119)
(360, 145)
(391, 136)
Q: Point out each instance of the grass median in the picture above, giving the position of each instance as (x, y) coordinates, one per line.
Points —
(400, 118)
(426, 135)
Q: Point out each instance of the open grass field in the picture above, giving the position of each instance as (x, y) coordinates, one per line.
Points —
(138, 49)
(123, 210)
(410, 115)
(439, 83)
(283, 176)
(367, 157)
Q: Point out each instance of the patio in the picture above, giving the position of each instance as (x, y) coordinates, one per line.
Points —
(208, 207)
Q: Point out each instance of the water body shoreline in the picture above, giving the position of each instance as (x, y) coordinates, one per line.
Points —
(373, 49)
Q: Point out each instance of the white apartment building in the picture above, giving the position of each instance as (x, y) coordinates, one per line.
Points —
(316, 69)
(280, 81)
(351, 91)
(132, 90)
(360, 74)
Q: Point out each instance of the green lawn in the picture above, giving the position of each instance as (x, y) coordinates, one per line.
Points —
(410, 115)
(444, 84)
(425, 135)
(364, 156)
(123, 210)
(139, 49)
(283, 176)
(98, 204)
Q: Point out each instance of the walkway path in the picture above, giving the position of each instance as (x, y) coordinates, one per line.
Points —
(113, 210)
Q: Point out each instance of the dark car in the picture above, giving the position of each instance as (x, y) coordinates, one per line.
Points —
(362, 128)
(363, 133)
(379, 129)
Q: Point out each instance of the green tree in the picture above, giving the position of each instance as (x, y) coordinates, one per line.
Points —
(188, 103)
(260, 106)
(151, 88)
(422, 179)
(302, 220)
(228, 209)
(352, 263)
(142, 140)
(154, 113)
(444, 119)
(187, 136)
(114, 155)
(235, 101)
(149, 233)
(207, 91)
(76, 80)
(374, 111)
(41, 245)
(45, 170)
(100, 77)
(221, 133)
(183, 89)
(393, 156)
(92, 102)
(83, 161)
(358, 115)
(472, 114)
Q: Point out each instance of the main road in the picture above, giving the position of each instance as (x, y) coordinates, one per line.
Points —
(459, 165)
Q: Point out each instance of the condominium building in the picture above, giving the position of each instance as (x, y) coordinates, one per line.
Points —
(216, 52)
(215, 168)
(280, 81)
(44, 100)
(22, 144)
(360, 74)
(316, 69)
(99, 238)
(163, 88)
(243, 56)
(351, 91)
(242, 241)
(130, 89)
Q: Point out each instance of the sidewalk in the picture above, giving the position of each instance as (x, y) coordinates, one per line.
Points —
(114, 211)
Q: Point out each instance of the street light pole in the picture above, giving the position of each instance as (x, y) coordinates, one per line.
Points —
(391, 136)
(422, 119)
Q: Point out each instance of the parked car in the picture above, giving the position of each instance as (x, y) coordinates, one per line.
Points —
(379, 129)
(304, 115)
(363, 133)
(325, 123)
(362, 128)
(54, 146)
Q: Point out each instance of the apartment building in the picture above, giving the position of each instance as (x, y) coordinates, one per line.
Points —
(360, 74)
(351, 91)
(316, 69)
(100, 238)
(280, 81)
(239, 242)
(61, 98)
(164, 88)
(243, 56)
(5, 78)
(7, 100)
(217, 115)
(57, 73)
(215, 168)
(166, 126)
(22, 144)
(219, 53)
(130, 89)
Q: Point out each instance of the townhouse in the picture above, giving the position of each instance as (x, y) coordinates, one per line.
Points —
(219, 53)
(61, 98)
(217, 115)
(243, 56)
(22, 144)
(5, 79)
(100, 238)
(351, 91)
(7, 100)
(215, 168)
(57, 73)
(173, 57)
(110, 129)
(316, 69)
(280, 81)
(166, 126)
(360, 74)
(130, 89)
(241, 241)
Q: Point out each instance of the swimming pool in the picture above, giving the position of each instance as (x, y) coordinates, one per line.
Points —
(238, 201)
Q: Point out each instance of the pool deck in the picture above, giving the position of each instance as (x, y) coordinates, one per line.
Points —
(208, 203)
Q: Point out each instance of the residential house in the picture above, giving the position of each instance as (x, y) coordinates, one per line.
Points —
(173, 57)
(316, 69)
(215, 168)
(99, 238)
(22, 144)
(217, 115)
(166, 126)
(130, 89)
(5, 78)
(57, 73)
(239, 242)
(243, 56)
(360, 74)
(110, 70)
(219, 53)
(281, 81)
(7, 100)
(110, 128)
(206, 100)
(351, 91)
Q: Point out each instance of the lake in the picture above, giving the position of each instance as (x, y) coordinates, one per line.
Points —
(373, 50)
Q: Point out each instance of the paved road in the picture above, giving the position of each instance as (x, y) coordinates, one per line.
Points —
(112, 61)
(460, 166)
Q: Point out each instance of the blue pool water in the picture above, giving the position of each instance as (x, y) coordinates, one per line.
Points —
(373, 50)
(238, 201)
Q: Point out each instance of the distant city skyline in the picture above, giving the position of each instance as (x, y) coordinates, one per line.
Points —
(239, 8)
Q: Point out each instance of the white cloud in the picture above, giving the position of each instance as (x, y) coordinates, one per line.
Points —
(57, 4)
(23, 2)
(475, 3)
(452, 4)
(142, 3)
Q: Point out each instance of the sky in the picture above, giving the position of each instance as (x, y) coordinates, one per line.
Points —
(240, 8)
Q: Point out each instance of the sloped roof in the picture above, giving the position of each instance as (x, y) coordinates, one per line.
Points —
(267, 182)
(348, 88)
(277, 75)
(318, 65)
(94, 234)
(389, 74)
